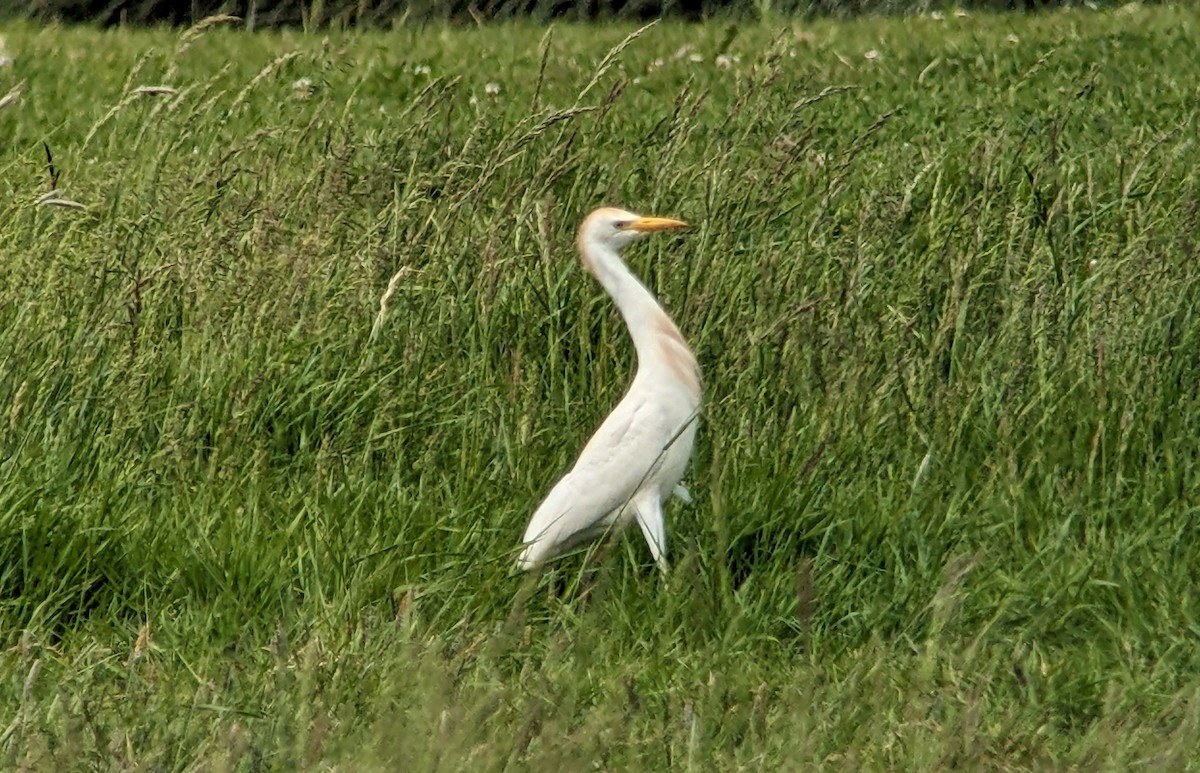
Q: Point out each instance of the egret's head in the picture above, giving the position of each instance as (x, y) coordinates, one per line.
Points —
(616, 228)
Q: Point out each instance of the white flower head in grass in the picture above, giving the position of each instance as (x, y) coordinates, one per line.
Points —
(695, 58)
(726, 61)
(492, 89)
(960, 13)
(1012, 38)
(303, 88)
(5, 59)
(1093, 264)
(422, 69)
(871, 55)
(937, 16)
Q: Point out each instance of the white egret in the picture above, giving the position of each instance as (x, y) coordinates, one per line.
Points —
(636, 458)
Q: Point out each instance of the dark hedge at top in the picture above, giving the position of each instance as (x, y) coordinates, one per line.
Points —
(344, 13)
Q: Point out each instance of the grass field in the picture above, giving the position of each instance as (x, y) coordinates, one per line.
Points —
(942, 283)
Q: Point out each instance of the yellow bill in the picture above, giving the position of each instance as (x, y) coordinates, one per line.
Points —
(647, 224)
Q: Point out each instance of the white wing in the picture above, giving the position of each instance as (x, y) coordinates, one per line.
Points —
(619, 461)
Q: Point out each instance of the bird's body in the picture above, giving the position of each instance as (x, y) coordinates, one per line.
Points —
(638, 455)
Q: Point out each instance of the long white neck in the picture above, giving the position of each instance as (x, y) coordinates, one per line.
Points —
(655, 337)
(637, 304)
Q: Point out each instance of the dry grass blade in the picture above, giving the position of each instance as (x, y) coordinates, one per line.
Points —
(12, 96)
(393, 283)
(54, 199)
(155, 91)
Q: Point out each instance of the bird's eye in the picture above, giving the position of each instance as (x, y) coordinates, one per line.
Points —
(621, 225)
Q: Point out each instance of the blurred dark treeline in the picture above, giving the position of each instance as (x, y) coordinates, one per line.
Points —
(347, 13)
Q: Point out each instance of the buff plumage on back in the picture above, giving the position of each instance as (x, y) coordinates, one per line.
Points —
(637, 456)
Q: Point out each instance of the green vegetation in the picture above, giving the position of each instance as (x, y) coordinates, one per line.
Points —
(943, 284)
(340, 14)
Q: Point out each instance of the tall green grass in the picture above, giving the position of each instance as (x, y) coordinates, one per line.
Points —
(942, 284)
